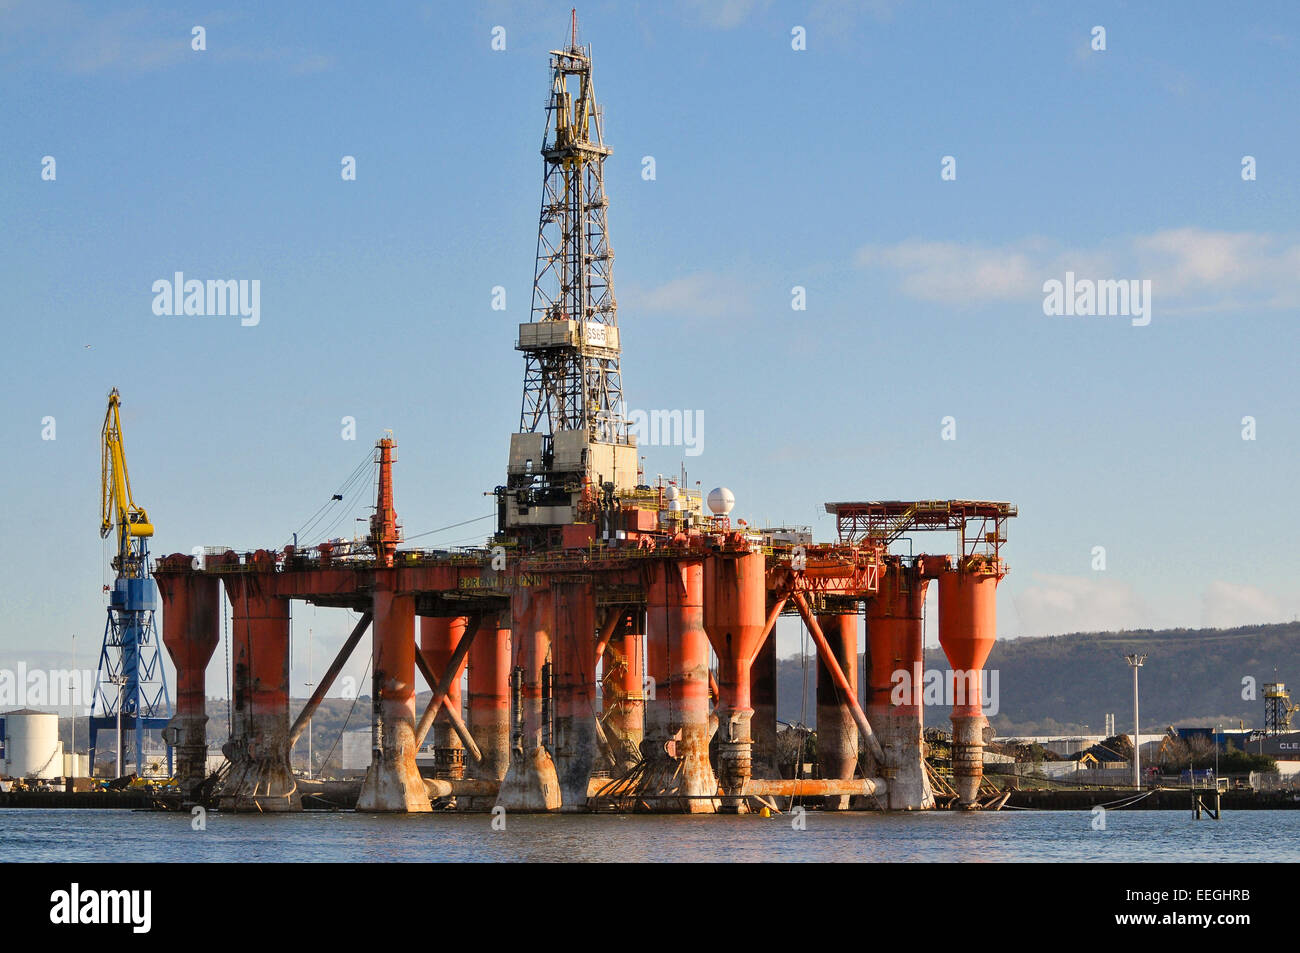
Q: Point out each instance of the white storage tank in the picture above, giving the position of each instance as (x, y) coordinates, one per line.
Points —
(32, 745)
(356, 752)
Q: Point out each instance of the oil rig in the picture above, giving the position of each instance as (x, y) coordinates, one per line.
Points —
(584, 630)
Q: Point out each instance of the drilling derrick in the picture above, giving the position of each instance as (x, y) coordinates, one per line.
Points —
(573, 444)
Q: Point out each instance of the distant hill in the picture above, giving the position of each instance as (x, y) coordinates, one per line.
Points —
(1046, 685)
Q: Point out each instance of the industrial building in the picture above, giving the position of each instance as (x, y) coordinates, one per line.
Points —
(30, 748)
(588, 622)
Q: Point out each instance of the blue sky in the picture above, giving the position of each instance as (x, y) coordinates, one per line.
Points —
(775, 168)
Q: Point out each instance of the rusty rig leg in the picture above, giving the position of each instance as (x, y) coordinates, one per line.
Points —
(531, 784)
(393, 782)
(967, 629)
(260, 778)
(762, 696)
(573, 648)
(734, 616)
(489, 696)
(191, 631)
(676, 746)
(837, 734)
(439, 636)
(895, 675)
(623, 694)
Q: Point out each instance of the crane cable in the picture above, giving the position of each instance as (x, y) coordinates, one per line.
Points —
(348, 487)
(440, 529)
(347, 484)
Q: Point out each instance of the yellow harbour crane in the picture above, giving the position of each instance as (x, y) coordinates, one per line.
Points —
(131, 687)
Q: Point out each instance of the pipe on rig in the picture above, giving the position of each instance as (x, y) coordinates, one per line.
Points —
(824, 650)
(327, 680)
(815, 787)
(436, 704)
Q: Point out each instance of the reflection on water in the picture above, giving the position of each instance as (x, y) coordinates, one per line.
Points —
(84, 835)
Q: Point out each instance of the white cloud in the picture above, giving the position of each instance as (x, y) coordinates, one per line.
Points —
(1191, 269)
(1226, 605)
(951, 272)
(85, 39)
(1056, 605)
(725, 14)
(704, 294)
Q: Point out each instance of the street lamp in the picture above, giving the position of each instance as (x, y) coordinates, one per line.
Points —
(120, 681)
(1135, 662)
(1218, 728)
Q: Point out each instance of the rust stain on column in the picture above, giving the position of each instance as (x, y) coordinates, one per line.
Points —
(260, 778)
(734, 617)
(191, 632)
(967, 629)
(837, 734)
(531, 783)
(439, 636)
(679, 777)
(393, 783)
(895, 676)
(573, 647)
(489, 696)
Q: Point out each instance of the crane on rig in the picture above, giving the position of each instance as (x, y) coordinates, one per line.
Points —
(131, 685)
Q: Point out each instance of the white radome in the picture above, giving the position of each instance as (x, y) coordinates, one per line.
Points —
(721, 501)
(670, 492)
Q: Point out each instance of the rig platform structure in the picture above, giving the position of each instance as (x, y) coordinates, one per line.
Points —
(583, 630)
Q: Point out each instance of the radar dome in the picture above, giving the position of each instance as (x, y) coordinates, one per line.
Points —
(721, 501)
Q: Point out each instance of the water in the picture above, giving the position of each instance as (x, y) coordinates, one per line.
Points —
(1130, 836)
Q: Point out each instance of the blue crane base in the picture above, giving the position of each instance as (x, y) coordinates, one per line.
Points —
(131, 726)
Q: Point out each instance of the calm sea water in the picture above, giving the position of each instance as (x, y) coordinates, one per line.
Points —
(85, 835)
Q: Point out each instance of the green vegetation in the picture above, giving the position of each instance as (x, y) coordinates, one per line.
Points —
(1064, 683)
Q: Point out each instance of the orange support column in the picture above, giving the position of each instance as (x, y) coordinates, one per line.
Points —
(967, 630)
(439, 636)
(531, 783)
(393, 782)
(622, 688)
(735, 599)
(895, 678)
(762, 696)
(191, 631)
(837, 733)
(679, 777)
(489, 696)
(260, 778)
(573, 650)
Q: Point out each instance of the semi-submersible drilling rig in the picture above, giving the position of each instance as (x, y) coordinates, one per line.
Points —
(587, 623)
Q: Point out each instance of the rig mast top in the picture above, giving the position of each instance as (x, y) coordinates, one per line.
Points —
(572, 379)
(573, 444)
